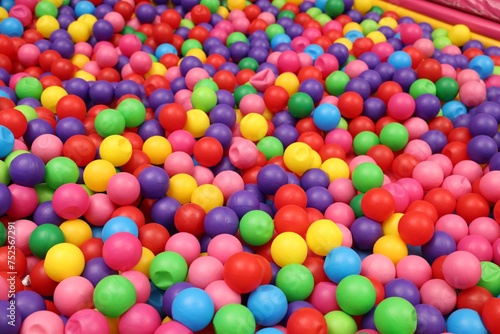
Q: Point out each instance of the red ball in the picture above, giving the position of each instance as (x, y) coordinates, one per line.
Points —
(41, 283)
(378, 204)
(415, 228)
(331, 151)
(146, 29)
(50, 80)
(250, 175)
(7, 47)
(243, 272)
(314, 215)
(169, 60)
(491, 314)
(13, 260)
(190, 218)
(199, 33)
(310, 72)
(278, 160)
(154, 236)
(63, 69)
(474, 298)
(307, 125)
(163, 33)
(138, 158)
(313, 139)
(290, 194)
(460, 135)
(200, 14)
(244, 76)
(379, 289)
(387, 89)
(360, 124)
(81, 149)
(307, 321)
(315, 265)
(14, 120)
(92, 248)
(423, 207)
(443, 200)
(361, 45)
(216, 60)
(456, 152)
(71, 106)
(302, 18)
(257, 24)
(471, 206)
(134, 139)
(265, 250)
(430, 69)
(5, 62)
(350, 104)
(291, 218)
(276, 98)
(252, 12)
(131, 212)
(403, 165)
(437, 267)
(108, 74)
(473, 52)
(208, 151)
(441, 123)
(267, 275)
(383, 156)
(415, 54)
(172, 17)
(124, 8)
(225, 80)
(172, 117)
(322, 41)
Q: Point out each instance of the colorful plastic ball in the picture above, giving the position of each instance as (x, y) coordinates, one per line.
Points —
(367, 176)
(268, 305)
(322, 236)
(395, 314)
(464, 321)
(253, 127)
(193, 308)
(205, 270)
(64, 260)
(154, 182)
(233, 316)
(307, 321)
(44, 320)
(483, 65)
(91, 321)
(50, 235)
(392, 247)
(441, 243)
(462, 270)
(340, 322)
(208, 151)
(378, 204)
(296, 281)
(489, 313)
(97, 174)
(359, 288)
(481, 148)
(7, 140)
(243, 272)
(472, 93)
(65, 299)
(287, 248)
(165, 276)
(70, 201)
(27, 170)
(140, 316)
(429, 319)
(342, 262)
(326, 116)
(114, 295)
(122, 251)
(256, 227)
(119, 224)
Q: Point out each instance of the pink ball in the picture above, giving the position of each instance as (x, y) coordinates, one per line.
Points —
(243, 154)
(305, 59)
(93, 68)
(173, 327)
(410, 32)
(490, 186)
(14, 79)
(252, 103)
(122, 251)
(187, 245)
(221, 294)
(416, 127)
(228, 182)
(288, 61)
(220, 34)
(19, 145)
(23, 230)
(116, 20)
(179, 163)
(486, 227)
(84, 48)
(342, 190)
(327, 63)
(173, 72)
(47, 147)
(140, 318)
(472, 93)
(123, 189)
(42, 322)
(426, 46)
(360, 159)
(492, 81)
(323, 297)
(24, 201)
(415, 269)
(496, 251)
(477, 245)
(268, 17)
(340, 137)
(205, 270)
(241, 25)
(383, 50)
(454, 225)
(311, 33)
(141, 62)
(462, 270)
(401, 106)
(448, 71)
(332, 25)
(182, 140)
(203, 175)
(141, 284)
(194, 75)
(74, 294)
(400, 196)
(183, 97)
(24, 14)
(451, 50)
(354, 68)
(346, 235)
(300, 43)
(223, 246)
(340, 213)
(87, 321)
(428, 174)
(379, 267)
(226, 26)
(467, 75)
(70, 201)
(330, 99)
(443, 161)
(126, 70)
(129, 44)
(100, 209)
(28, 54)
(31, 261)
(458, 185)
(413, 188)
(106, 56)
(440, 294)
(468, 168)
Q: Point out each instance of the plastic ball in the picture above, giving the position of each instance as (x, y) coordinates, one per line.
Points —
(359, 286)
(89, 320)
(164, 277)
(322, 236)
(270, 298)
(395, 314)
(64, 260)
(67, 302)
(70, 201)
(308, 321)
(392, 247)
(287, 248)
(199, 304)
(44, 320)
(256, 227)
(122, 292)
(234, 316)
(341, 262)
(296, 281)
(465, 320)
(243, 272)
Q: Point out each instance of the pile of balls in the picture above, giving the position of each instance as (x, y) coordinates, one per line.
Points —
(206, 166)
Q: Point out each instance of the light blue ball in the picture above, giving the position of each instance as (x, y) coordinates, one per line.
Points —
(6, 141)
(11, 27)
(326, 116)
(193, 308)
(400, 59)
(465, 321)
(84, 7)
(268, 305)
(314, 50)
(453, 109)
(342, 262)
(483, 65)
(269, 330)
(119, 224)
(280, 38)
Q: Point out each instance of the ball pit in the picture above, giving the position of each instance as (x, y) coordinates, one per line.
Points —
(284, 166)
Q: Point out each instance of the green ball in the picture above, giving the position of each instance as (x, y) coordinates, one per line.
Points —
(243, 91)
(207, 82)
(256, 227)
(314, 11)
(395, 136)
(29, 87)
(114, 295)
(12, 155)
(128, 30)
(3, 234)
(323, 19)
(367, 176)
(496, 70)
(45, 8)
(421, 87)
(109, 122)
(446, 89)
(490, 277)
(213, 5)
(355, 295)
(300, 105)
(339, 322)
(377, 9)
(296, 282)
(343, 124)
(395, 315)
(441, 42)
(364, 141)
(44, 237)
(4, 173)
(334, 8)
(287, 13)
(440, 32)
(133, 111)
(235, 37)
(204, 98)
(168, 268)
(234, 319)
(278, 3)
(369, 26)
(187, 24)
(44, 192)
(142, 37)
(271, 147)
(349, 59)
(335, 83)
(248, 63)
(190, 44)
(61, 170)
(355, 205)
(273, 30)
(28, 112)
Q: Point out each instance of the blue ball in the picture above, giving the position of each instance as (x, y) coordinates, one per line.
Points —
(399, 59)
(483, 65)
(11, 27)
(84, 7)
(453, 109)
(353, 35)
(341, 262)
(268, 305)
(314, 50)
(6, 141)
(326, 116)
(269, 330)
(279, 39)
(165, 48)
(193, 308)
(119, 224)
(465, 321)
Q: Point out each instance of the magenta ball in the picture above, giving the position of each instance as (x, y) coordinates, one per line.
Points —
(179, 162)
(468, 168)
(24, 201)
(496, 251)
(412, 187)
(100, 209)
(346, 235)
(415, 269)
(410, 33)
(478, 246)
(140, 318)
(416, 127)
(67, 301)
(485, 227)
(458, 185)
(122, 251)
(342, 190)
(401, 197)
(42, 322)
(221, 294)
(379, 267)
(490, 186)
(205, 270)
(462, 270)
(23, 229)
(123, 189)
(472, 93)
(340, 213)
(173, 327)
(440, 294)
(429, 174)
(401, 106)
(187, 245)
(228, 182)
(141, 284)
(70, 201)
(323, 297)
(243, 153)
(87, 321)
(454, 225)
(419, 149)
(47, 147)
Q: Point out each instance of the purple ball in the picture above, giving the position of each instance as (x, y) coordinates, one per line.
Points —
(462, 121)
(254, 188)
(258, 53)
(403, 288)
(171, 293)
(160, 96)
(102, 92)
(447, 59)
(429, 320)
(313, 88)
(374, 108)
(28, 302)
(221, 220)
(461, 61)
(65, 20)
(319, 198)
(43, 45)
(268, 66)
(396, 43)
(372, 16)
(223, 113)
(355, 15)
(293, 179)
(360, 86)
(29, 101)
(494, 163)
(221, 132)
(295, 306)
(96, 269)
(45, 214)
(223, 51)
(287, 134)
(386, 71)
(5, 199)
(69, 127)
(492, 51)
(282, 47)
(189, 63)
(103, 30)
(210, 69)
(231, 67)
(102, 10)
(427, 106)
(27, 170)
(285, 22)
(436, 140)
(481, 148)
(440, 244)
(150, 128)
(270, 178)
(406, 19)
(122, 61)
(365, 232)
(210, 42)
(370, 58)
(425, 26)
(216, 18)
(483, 124)
(225, 97)
(242, 202)
(340, 52)
(59, 34)
(224, 165)
(368, 320)
(314, 177)
(163, 211)
(473, 43)
(178, 84)
(4, 76)
(146, 13)
(239, 50)
(405, 77)
(154, 182)
(388, 32)
(490, 107)
(9, 314)
(374, 78)
(294, 30)
(283, 117)
(204, 241)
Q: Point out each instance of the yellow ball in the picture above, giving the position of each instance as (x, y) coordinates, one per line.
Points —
(116, 149)
(377, 37)
(197, 122)
(84, 75)
(76, 231)
(296, 2)
(352, 26)
(459, 34)
(198, 54)
(181, 187)
(88, 19)
(79, 60)
(3, 14)
(344, 41)
(288, 248)
(156, 69)
(236, 4)
(239, 115)
(253, 127)
(97, 174)
(145, 261)
(389, 22)
(223, 12)
(289, 81)
(64, 260)
(298, 157)
(268, 114)
(336, 169)
(390, 226)
(57, 3)
(51, 95)
(157, 148)
(316, 160)
(79, 31)
(208, 197)
(46, 25)
(392, 247)
(322, 236)
(363, 6)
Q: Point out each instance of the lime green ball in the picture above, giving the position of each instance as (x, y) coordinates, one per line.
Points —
(300, 105)
(339, 322)
(334, 8)
(395, 136)
(207, 82)
(323, 19)
(395, 315)
(29, 87)
(446, 89)
(45, 8)
(440, 32)
(256, 227)
(190, 44)
(421, 87)
(271, 147)
(364, 141)
(343, 124)
(355, 205)
(368, 26)
(296, 282)
(12, 155)
(133, 111)
(235, 37)
(187, 24)
(273, 30)
(114, 295)
(335, 83)
(367, 176)
(109, 122)
(234, 319)
(490, 277)
(278, 3)
(313, 12)
(441, 42)
(243, 91)
(204, 98)
(213, 5)
(4, 173)
(248, 63)
(142, 37)
(355, 295)
(43, 238)
(61, 170)
(44, 192)
(3, 234)
(168, 268)
(28, 112)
